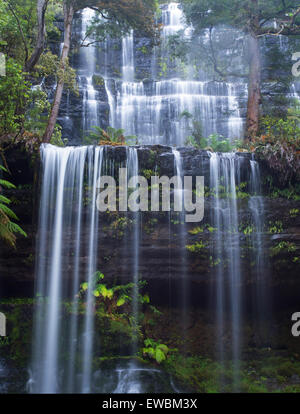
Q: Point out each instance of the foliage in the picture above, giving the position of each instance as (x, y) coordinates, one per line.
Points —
(50, 66)
(8, 228)
(279, 145)
(196, 230)
(14, 92)
(290, 191)
(207, 13)
(196, 247)
(276, 227)
(111, 299)
(214, 143)
(57, 138)
(283, 247)
(111, 136)
(116, 19)
(155, 350)
(294, 212)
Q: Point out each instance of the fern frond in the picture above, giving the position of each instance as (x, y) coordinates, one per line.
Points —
(8, 211)
(4, 199)
(7, 184)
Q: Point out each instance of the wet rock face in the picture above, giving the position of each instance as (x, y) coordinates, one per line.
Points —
(152, 105)
(162, 247)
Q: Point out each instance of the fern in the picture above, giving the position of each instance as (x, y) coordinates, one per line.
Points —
(8, 229)
(7, 184)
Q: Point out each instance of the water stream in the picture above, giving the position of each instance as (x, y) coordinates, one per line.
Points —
(69, 239)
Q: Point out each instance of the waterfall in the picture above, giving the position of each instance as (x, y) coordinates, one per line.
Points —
(61, 215)
(152, 109)
(60, 171)
(217, 252)
(63, 349)
(128, 58)
(94, 172)
(86, 72)
(227, 250)
(179, 196)
(260, 257)
(133, 171)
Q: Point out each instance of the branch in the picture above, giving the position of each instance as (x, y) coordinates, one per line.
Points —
(215, 63)
(10, 7)
(284, 30)
(96, 9)
(40, 43)
(293, 19)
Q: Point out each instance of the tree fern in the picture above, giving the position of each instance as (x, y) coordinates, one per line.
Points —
(8, 229)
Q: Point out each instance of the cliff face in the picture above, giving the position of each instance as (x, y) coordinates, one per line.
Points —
(164, 83)
(164, 237)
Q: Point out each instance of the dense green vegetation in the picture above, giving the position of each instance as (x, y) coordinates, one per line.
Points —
(26, 28)
(8, 228)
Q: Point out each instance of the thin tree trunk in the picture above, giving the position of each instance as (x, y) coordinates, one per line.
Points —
(41, 36)
(68, 18)
(254, 86)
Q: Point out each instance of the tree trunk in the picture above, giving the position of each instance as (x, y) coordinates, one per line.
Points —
(254, 86)
(68, 18)
(41, 35)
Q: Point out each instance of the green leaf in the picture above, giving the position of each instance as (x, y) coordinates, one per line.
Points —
(84, 286)
(163, 348)
(7, 184)
(99, 276)
(149, 351)
(146, 299)
(96, 293)
(159, 355)
(103, 290)
(110, 293)
(121, 301)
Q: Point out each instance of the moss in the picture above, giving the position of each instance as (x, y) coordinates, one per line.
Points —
(292, 388)
(19, 314)
(196, 230)
(196, 247)
(257, 376)
(98, 80)
(282, 247)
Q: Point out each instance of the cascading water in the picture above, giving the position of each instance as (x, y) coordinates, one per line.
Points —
(179, 195)
(260, 258)
(63, 187)
(94, 172)
(133, 171)
(64, 342)
(153, 109)
(128, 68)
(87, 71)
(226, 250)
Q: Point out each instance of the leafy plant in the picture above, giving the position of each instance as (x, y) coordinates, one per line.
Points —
(282, 247)
(155, 350)
(214, 143)
(8, 228)
(111, 136)
(111, 299)
(294, 212)
(197, 247)
(276, 227)
(196, 230)
(279, 145)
